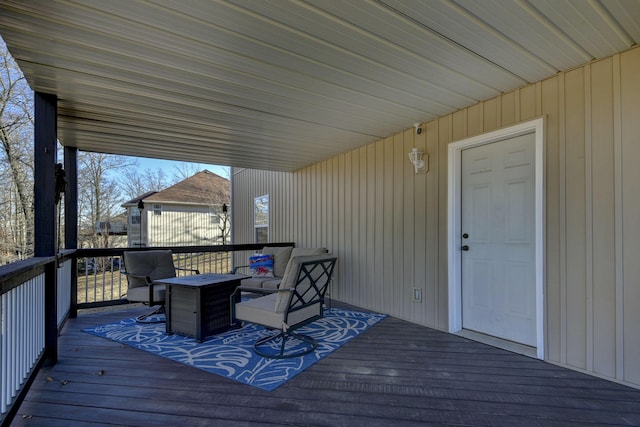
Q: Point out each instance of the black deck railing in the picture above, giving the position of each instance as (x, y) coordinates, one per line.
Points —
(39, 294)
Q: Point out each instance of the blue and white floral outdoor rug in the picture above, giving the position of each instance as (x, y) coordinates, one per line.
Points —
(231, 354)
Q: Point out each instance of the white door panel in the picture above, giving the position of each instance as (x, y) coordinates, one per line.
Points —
(497, 215)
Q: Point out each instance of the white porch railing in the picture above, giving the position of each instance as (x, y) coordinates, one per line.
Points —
(30, 314)
(22, 337)
(64, 290)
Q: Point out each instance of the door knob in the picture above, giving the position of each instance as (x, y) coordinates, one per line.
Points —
(465, 247)
(465, 236)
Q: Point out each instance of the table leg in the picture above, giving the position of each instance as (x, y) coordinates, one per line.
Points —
(167, 309)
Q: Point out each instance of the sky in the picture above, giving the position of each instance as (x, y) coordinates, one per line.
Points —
(169, 166)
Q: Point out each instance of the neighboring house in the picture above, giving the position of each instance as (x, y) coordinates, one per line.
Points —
(400, 243)
(189, 213)
(108, 233)
(112, 228)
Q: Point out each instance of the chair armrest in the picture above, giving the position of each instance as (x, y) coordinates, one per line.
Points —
(235, 269)
(234, 296)
(193, 270)
(147, 279)
(256, 290)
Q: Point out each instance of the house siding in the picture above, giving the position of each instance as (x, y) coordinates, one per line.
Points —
(387, 225)
(627, 126)
(180, 225)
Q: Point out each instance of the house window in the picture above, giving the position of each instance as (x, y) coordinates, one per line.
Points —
(135, 216)
(157, 209)
(261, 219)
(216, 214)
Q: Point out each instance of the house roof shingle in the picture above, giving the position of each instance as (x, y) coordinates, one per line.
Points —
(203, 188)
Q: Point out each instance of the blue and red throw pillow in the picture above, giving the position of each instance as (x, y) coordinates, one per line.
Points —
(261, 265)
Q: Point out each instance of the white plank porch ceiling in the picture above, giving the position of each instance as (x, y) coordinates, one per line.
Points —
(285, 83)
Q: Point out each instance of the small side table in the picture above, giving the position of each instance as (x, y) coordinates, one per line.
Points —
(198, 305)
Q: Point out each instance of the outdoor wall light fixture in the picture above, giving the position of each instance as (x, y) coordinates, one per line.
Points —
(420, 161)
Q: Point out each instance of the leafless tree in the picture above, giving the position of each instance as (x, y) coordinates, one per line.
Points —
(99, 195)
(16, 155)
(135, 183)
(225, 227)
(184, 170)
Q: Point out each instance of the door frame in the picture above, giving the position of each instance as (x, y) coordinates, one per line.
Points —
(454, 192)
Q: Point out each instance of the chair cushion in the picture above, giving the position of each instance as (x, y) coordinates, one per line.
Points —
(261, 282)
(281, 257)
(254, 282)
(307, 251)
(156, 264)
(261, 265)
(289, 281)
(296, 252)
(262, 311)
(141, 294)
(304, 314)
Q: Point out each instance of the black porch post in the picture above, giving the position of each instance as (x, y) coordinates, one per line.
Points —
(45, 156)
(71, 219)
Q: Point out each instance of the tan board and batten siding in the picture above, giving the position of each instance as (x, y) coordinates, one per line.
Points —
(181, 225)
(388, 225)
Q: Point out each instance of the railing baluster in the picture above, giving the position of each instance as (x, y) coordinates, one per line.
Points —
(3, 356)
(22, 328)
(14, 341)
(64, 290)
(6, 354)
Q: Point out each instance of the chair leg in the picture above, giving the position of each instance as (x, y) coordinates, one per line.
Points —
(312, 344)
(143, 318)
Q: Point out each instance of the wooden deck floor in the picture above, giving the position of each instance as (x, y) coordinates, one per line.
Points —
(395, 374)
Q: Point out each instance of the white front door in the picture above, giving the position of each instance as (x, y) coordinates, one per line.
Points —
(498, 239)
